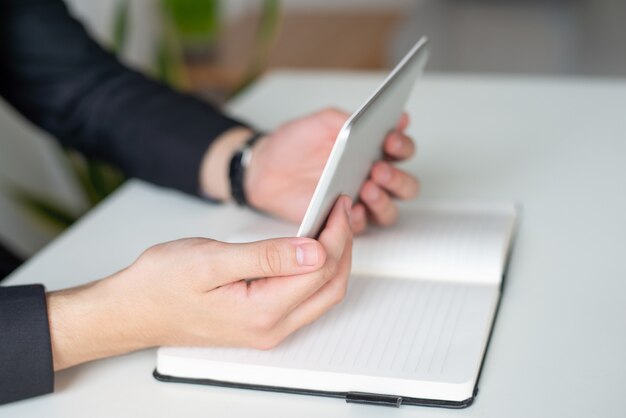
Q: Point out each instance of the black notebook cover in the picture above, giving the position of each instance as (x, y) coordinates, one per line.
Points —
(350, 397)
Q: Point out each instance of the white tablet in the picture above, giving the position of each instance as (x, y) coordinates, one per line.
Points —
(359, 143)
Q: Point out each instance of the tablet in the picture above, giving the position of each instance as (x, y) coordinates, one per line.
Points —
(360, 142)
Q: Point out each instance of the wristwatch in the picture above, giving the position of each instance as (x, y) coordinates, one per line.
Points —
(237, 169)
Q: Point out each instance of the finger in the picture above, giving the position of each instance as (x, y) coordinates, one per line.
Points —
(403, 122)
(332, 119)
(397, 182)
(319, 303)
(358, 219)
(337, 230)
(267, 258)
(380, 206)
(398, 146)
(282, 294)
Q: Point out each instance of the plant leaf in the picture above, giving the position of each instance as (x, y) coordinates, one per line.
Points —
(77, 165)
(194, 20)
(44, 210)
(120, 26)
(169, 58)
(104, 179)
(97, 179)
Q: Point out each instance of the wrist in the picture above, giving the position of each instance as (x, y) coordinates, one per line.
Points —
(91, 322)
(214, 170)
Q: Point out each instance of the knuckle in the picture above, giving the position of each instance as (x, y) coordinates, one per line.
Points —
(264, 322)
(407, 186)
(339, 294)
(334, 113)
(213, 244)
(152, 251)
(331, 111)
(267, 342)
(155, 252)
(270, 260)
(403, 185)
(330, 270)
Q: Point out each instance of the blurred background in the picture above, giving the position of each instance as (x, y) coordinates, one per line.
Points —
(216, 48)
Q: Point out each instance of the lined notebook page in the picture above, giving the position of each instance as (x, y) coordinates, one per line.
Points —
(403, 329)
(439, 242)
(435, 241)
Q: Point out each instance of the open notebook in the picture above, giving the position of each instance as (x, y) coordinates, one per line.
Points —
(413, 328)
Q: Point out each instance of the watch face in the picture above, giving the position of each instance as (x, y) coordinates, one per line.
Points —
(246, 156)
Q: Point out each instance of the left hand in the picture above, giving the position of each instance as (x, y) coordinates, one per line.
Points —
(287, 164)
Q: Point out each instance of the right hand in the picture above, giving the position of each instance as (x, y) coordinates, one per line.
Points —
(193, 292)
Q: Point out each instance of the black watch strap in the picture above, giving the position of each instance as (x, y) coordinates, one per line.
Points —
(237, 170)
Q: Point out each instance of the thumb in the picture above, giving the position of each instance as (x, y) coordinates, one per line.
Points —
(270, 258)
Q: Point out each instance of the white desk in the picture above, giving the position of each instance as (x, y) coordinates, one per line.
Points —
(559, 345)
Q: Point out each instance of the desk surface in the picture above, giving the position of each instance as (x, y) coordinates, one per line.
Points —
(559, 343)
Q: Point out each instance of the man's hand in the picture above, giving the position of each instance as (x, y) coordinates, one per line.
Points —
(194, 292)
(287, 164)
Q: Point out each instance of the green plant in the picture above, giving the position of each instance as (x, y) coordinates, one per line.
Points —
(196, 22)
(191, 28)
(120, 25)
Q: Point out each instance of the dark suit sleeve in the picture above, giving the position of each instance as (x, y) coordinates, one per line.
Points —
(25, 354)
(59, 78)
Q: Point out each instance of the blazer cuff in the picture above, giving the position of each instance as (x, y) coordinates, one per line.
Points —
(25, 350)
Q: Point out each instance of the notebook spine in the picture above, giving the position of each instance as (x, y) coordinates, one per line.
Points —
(374, 399)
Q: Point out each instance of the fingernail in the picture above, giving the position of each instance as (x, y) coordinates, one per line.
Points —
(384, 173)
(306, 254)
